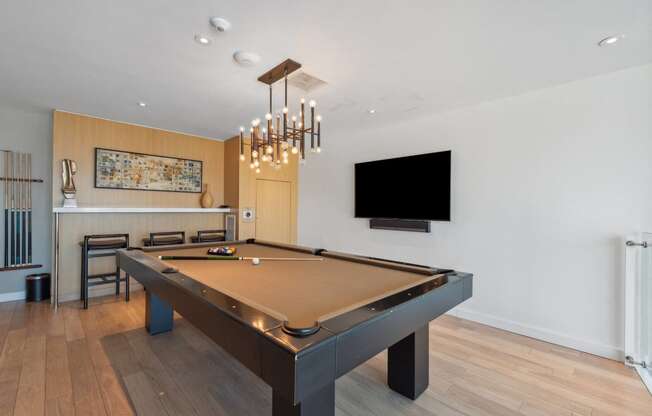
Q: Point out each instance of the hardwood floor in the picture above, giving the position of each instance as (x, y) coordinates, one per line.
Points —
(102, 362)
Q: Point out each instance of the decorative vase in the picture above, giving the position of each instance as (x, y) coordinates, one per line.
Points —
(206, 200)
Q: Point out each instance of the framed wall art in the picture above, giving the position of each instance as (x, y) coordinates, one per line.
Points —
(117, 169)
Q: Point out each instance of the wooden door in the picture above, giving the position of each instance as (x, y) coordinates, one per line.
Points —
(273, 210)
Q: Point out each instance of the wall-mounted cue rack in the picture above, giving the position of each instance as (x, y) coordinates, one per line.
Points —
(17, 183)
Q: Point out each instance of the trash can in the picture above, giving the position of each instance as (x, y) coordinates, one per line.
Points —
(37, 287)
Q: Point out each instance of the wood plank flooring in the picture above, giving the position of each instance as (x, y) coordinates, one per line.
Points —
(102, 362)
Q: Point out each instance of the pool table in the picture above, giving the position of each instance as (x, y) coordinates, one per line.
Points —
(299, 325)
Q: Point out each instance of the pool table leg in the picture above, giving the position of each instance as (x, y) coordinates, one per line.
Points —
(407, 364)
(320, 403)
(159, 315)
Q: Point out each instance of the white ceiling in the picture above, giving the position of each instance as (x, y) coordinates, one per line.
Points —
(403, 58)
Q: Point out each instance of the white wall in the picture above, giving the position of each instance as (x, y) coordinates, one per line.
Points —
(544, 188)
(25, 130)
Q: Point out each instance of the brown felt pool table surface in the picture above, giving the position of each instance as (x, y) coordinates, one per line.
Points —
(300, 292)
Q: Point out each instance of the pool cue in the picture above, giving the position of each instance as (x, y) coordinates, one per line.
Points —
(19, 212)
(12, 215)
(19, 225)
(17, 198)
(5, 200)
(238, 258)
(23, 235)
(29, 207)
(21, 216)
(17, 209)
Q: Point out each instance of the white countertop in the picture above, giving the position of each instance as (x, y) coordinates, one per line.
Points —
(126, 210)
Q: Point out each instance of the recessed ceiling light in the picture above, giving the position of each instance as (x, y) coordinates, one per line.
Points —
(610, 40)
(372, 111)
(202, 40)
(142, 104)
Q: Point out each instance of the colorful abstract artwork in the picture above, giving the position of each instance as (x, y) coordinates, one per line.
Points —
(115, 169)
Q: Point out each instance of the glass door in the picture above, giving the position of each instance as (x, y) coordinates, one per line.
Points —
(638, 305)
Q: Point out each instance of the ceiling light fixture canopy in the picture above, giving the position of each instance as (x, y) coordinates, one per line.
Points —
(271, 143)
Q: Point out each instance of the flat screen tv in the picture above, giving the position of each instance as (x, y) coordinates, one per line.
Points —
(412, 187)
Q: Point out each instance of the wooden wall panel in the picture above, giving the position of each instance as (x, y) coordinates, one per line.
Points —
(74, 226)
(231, 172)
(76, 137)
(247, 191)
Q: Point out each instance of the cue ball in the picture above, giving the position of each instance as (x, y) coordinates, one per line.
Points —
(255, 261)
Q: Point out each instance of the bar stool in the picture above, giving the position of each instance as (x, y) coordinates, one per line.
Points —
(102, 245)
(208, 236)
(165, 238)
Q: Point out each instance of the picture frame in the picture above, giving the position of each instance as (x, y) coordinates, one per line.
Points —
(127, 170)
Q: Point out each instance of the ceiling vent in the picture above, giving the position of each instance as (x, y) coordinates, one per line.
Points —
(305, 81)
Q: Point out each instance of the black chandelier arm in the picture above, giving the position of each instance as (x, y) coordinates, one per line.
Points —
(286, 87)
(285, 107)
(312, 126)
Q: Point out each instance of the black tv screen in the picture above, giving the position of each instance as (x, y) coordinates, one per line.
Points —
(412, 187)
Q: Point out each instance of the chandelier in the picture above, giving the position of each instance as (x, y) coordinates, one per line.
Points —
(279, 136)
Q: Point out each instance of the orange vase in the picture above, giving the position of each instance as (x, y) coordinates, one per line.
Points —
(206, 200)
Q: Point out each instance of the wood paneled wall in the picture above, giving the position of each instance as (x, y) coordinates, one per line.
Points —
(74, 226)
(76, 137)
(232, 172)
(246, 186)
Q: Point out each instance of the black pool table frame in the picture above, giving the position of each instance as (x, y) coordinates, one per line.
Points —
(302, 370)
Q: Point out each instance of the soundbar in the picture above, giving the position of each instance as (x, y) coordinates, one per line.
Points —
(420, 226)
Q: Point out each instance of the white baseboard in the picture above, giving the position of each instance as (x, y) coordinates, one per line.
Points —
(12, 296)
(103, 290)
(646, 377)
(543, 334)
